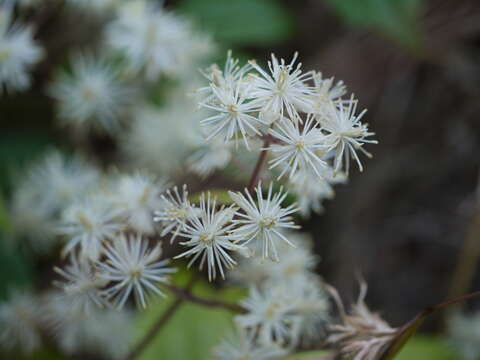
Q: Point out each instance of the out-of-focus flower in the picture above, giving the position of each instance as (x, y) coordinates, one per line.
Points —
(295, 263)
(284, 88)
(155, 41)
(271, 310)
(243, 345)
(346, 134)
(18, 51)
(173, 130)
(91, 95)
(301, 148)
(214, 155)
(137, 196)
(78, 332)
(45, 188)
(310, 191)
(20, 318)
(208, 237)
(81, 283)
(132, 267)
(175, 211)
(263, 221)
(326, 92)
(88, 223)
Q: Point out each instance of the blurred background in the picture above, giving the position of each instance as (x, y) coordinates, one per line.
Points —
(414, 64)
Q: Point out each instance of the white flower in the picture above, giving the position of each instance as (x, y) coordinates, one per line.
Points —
(137, 196)
(311, 306)
(243, 346)
(230, 78)
(284, 88)
(88, 224)
(78, 332)
(175, 211)
(173, 130)
(20, 319)
(91, 96)
(310, 191)
(326, 92)
(234, 114)
(18, 52)
(301, 148)
(155, 41)
(346, 134)
(296, 263)
(133, 268)
(263, 221)
(81, 284)
(272, 311)
(47, 186)
(208, 237)
(212, 156)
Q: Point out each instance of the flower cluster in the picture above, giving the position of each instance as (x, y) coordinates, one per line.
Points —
(309, 129)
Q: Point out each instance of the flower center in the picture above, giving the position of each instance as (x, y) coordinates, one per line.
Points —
(82, 219)
(207, 238)
(268, 222)
(232, 109)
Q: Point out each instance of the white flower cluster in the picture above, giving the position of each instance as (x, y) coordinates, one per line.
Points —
(309, 129)
(26, 318)
(286, 304)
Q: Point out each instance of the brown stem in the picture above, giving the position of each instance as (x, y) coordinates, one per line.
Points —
(187, 295)
(262, 159)
(158, 325)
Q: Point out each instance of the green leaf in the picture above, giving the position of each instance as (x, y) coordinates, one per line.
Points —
(427, 347)
(397, 19)
(241, 22)
(221, 194)
(193, 330)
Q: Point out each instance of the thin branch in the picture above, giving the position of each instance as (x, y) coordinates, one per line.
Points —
(158, 325)
(187, 295)
(262, 159)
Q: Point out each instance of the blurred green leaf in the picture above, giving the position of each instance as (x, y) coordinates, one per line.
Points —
(194, 330)
(309, 355)
(426, 347)
(15, 269)
(397, 19)
(241, 22)
(222, 196)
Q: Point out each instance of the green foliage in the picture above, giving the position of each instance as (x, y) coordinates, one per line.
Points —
(423, 347)
(220, 194)
(241, 22)
(193, 331)
(397, 19)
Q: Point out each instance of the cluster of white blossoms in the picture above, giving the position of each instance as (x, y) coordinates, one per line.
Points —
(309, 129)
